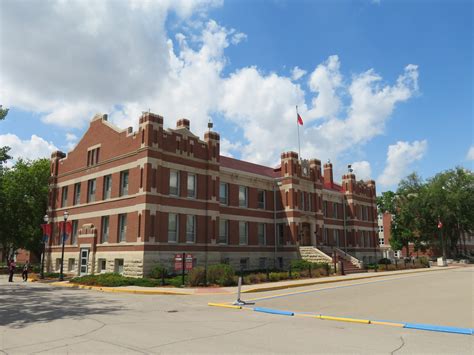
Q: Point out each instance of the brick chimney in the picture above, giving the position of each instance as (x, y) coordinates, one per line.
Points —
(182, 123)
(328, 177)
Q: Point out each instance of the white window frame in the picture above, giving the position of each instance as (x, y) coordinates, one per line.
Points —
(75, 225)
(245, 191)
(77, 194)
(91, 190)
(105, 232)
(64, 193)
(176, 230)
(261, 204)
(192, 192)
(122, 230)
(190, 229)
(243, 237)
(124, 181)
(174, 190)
(224, 222)
(263, 228)
(224, 200)
(107, 187)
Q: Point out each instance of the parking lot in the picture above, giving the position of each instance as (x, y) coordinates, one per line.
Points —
(38, 318)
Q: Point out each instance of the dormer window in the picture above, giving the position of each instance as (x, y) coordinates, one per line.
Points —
(93, 156)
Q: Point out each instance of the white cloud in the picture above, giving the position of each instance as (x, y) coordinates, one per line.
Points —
(297, 73)
(362, 170)
(399, 158)
(470, 153)
(227, 147)
(124, 62)
(34, 148)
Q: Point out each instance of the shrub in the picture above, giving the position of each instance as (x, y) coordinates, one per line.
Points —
(300, 264)
(197, 276)
(221, 274)
(158, 272)
(246, 280)
(262, 277)
(295, 275)
(385, 261)
(274, 276)
(254, 279)
(424, 261)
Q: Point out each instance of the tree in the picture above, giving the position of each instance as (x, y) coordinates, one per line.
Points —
(386, 202)
(3, 150)
(23, 202)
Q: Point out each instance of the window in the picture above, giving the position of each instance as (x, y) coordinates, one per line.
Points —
(381, 241)
(325, 238)
(77, 193)
(190, 229)
(122, 227)
(325, 208)
(172, 228)
(281, 233)
(124, 183)
(102, 265)
(280, 262)
(303, 204)
(243, 196)
(174, 182)
(107, 187)
(261, 234)
(261, 199)
(336, 237)
(91, 190)
(58, 263)
(93, 156)
(223, 231)
(334, 210)
(118, 267)
(105, 229)
(74, 232)
(262, 263)
(310, 202)
(64, 197)
(192, 185)
(71, 265)
(244, 263)
(223, 193)
(243, 233)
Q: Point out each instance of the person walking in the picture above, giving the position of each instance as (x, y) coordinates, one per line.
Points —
(11, 269)
(24, 274)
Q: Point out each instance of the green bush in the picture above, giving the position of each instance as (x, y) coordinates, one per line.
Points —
(177, 281)
(221, 274)
(274, 276)
(385, 261)
(158, 272)
(424, 261)
(254, 279)
(114, 280)
(197, 276)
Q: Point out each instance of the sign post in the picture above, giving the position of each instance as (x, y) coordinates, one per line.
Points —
(183, 268)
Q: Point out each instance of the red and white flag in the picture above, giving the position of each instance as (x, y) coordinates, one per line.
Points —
(299, 119)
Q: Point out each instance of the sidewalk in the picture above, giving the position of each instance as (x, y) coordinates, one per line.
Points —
(246, 288)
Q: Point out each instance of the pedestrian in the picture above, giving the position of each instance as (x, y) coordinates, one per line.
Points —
(24, 274)
(11, 269)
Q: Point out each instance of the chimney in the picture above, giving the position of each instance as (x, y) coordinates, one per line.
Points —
(182, 123)
(328, 178)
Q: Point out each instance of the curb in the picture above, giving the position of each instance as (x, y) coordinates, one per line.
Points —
(319, 282)
(118, 290)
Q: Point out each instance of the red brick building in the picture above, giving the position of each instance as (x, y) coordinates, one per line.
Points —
(136, 199)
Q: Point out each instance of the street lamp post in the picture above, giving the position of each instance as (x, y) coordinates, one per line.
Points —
(46, 220)
(61, 275)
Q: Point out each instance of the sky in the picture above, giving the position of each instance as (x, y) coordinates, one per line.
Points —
(386, 86)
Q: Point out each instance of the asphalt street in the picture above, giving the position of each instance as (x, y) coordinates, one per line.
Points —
(39, 318)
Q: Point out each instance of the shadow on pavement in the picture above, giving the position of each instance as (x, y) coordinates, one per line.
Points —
(24, 304)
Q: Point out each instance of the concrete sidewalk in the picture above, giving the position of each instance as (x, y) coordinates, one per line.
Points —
(270, 286)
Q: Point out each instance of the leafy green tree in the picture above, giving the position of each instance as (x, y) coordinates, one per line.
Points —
(3, 150)
(386, 202)
(23, 202)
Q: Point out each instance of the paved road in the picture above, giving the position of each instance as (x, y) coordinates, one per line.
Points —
(38, 318)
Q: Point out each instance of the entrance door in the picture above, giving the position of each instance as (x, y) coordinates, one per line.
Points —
(306, 234)
(84, 261)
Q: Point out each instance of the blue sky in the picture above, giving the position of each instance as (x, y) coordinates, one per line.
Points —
(384, 85)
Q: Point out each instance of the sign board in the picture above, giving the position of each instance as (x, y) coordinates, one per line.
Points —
(189, 262)
(178, 262)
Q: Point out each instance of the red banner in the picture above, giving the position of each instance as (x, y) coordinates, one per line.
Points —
(46, 229)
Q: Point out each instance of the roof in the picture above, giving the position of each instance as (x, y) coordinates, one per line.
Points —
(247, 167)
(334, 187)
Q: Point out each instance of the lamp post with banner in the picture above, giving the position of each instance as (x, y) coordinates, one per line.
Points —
(63, 240)
(46, 227)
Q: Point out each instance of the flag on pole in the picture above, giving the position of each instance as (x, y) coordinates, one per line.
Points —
(299, 119)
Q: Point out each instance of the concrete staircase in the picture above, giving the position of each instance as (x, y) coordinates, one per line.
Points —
(314, 255)
(351, 265)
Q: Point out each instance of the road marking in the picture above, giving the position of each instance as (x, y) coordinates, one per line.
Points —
(223, 305)
(344, 319)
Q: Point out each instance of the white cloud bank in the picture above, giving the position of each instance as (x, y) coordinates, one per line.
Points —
(117, 57)
(34, 148)
(362, 170)
(400, 156)
(470, 153)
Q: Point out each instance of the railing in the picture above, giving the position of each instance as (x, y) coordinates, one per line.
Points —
(331, 249)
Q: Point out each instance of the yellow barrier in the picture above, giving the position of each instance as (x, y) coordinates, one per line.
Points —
(387, 323)
(224, 305)
(341, 319)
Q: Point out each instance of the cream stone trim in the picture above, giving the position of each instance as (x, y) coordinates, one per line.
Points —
(233, 217)
(107, 244)
(94, 147)
(361, 203)
(109, 212)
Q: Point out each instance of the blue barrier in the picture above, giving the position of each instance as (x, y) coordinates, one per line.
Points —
(273, 311)
(439, 328)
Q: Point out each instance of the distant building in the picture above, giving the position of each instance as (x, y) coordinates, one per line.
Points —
(136, 199)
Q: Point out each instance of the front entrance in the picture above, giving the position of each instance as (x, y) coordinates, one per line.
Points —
(84, 262)
(306, 234)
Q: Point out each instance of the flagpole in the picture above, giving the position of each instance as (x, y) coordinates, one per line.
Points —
(298, 128)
